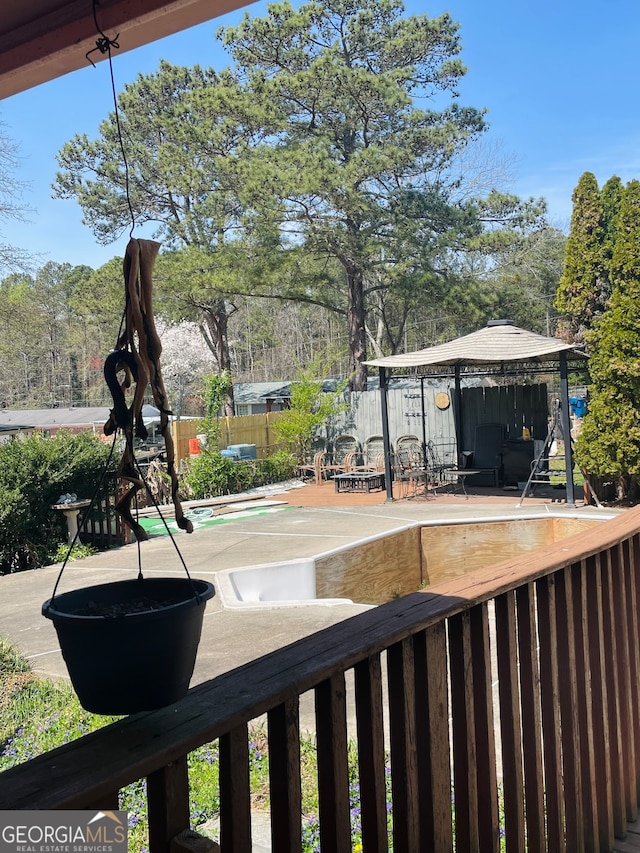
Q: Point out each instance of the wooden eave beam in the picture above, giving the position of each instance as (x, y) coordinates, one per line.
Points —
(36, 47)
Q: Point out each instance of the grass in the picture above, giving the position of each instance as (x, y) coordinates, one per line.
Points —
(557, 469)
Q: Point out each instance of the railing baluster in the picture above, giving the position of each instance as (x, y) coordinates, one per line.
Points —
(284, 776)
(631, 595)
(485, 729)
(371, 759)
(465, 790)
(599, 699)
(235, 793)
(510, 722)
(333, 770)
(168, 804)
(531, 717)
(404, 776)
(432, 739)
(550, 704)
(614, 665)
(619, 571)
(585, 707)
(569, 713)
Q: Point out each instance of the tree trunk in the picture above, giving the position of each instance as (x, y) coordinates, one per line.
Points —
(357, 330)
(217, 322)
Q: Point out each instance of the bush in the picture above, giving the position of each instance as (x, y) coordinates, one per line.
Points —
(211, 474)
(34, 472)
(278, 467)
(310, 408)
(79, 552)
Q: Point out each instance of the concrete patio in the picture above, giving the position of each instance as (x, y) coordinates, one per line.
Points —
(303, 522)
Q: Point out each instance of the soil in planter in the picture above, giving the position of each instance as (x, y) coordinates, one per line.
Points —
(125, 608)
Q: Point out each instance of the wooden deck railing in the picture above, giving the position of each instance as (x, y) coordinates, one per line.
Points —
(528, 672)
(104, 528)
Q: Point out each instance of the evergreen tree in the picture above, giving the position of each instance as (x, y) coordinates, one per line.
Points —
(611, 199)
(609, 444)
(327, 168)
(585, 284)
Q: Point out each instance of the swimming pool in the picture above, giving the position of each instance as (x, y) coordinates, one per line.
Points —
(413, 556)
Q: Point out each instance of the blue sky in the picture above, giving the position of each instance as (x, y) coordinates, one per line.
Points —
(560, 80)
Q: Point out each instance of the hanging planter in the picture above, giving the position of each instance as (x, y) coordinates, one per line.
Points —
(130, 645)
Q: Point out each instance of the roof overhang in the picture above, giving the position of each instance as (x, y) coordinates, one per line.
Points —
(44, 39)
(496, 343)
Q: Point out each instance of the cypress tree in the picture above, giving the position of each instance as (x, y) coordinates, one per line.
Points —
(609, 444)
(611, 200)
(584, 279)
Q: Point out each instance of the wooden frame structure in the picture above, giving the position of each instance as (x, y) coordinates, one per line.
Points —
(44, 39)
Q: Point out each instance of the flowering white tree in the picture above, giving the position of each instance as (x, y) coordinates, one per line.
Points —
(185, 360)
(11, 207)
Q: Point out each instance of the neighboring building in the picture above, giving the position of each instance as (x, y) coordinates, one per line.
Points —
(51, 420)
(7, 432)
(258, 398)
(76, 419)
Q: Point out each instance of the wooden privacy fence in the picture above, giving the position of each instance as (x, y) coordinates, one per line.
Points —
(528, 671)
(510, 405)
(242, 429)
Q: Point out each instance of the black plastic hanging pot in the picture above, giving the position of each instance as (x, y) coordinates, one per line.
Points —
(130, 645)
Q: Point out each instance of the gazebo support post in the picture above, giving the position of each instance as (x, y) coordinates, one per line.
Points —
(457, 414)
(424, 424)
(566, 427)
(388, 474)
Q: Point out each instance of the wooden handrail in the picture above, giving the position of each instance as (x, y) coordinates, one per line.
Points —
(564, 646)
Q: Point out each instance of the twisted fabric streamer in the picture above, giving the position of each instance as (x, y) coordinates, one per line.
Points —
(137, 354)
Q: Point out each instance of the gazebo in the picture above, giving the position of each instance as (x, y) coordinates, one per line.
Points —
(499, 343)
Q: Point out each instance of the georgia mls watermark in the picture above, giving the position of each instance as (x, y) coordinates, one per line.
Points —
(63, 832)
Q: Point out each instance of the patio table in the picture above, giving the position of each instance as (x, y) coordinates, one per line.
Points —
(456, 476)
(359, 481)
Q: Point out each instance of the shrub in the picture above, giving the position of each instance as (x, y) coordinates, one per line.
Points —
(276, 468)
(79, 551)
(34, 472)
(310, 408)
(211, 474)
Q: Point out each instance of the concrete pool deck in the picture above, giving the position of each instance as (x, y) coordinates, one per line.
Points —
(284, 531)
